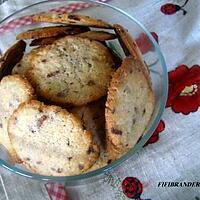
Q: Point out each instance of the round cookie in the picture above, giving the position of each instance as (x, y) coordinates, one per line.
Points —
(129, 107)
(14, 90)
(72, 70)
(50, 141)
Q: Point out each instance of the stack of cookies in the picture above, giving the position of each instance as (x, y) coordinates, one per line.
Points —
(70, 105)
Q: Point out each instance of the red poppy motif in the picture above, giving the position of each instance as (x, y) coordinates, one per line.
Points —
(144, 44)
(184, 89)
(155, 137)
(132, 187)
(170, 9)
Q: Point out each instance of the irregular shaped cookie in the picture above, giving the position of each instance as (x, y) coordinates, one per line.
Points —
(93, 119)
(11, 57)
(130, 47)
(72, 70)
(70, 19)
(129, 106)
(51, 31)
(97, 35)
(14, 90)
(50, 141)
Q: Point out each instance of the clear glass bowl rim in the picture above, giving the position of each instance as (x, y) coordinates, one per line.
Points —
(132, 151)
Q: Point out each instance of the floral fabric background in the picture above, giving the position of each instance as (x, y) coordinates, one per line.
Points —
(172, 153)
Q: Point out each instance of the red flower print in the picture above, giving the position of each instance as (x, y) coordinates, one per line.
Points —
(184, 89)
(155, 137)
(170, 9)
(132, 187)
(144, 44)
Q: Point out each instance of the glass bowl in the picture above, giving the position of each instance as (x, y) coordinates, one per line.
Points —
(17, 23)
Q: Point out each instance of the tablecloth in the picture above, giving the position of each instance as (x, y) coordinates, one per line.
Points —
(168, 167)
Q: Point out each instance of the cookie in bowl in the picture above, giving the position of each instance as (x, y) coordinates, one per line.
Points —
(72, 70)
(14, 90)
(51, 141)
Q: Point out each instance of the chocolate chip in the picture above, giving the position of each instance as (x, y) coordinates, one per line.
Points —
(81, 167)
(116, 131)
(40, 110)
(27, 159)
(91, 83)
(38, 162)
(41, 120)
(32, 131)
(68, 142)
(69, 158)
(109, 161)
(144, 111)
(90, 150)
(1, 125)
(59, 170)
(52, 74)
(74, 17)
(44, 60)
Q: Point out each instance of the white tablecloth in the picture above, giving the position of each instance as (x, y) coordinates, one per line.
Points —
(175, 157)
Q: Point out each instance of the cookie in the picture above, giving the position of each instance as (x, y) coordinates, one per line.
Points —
(51, 31)
(130, 104)
(25, 63)
(72, 70)
(43, 41)
(102, 161)
(70, 19)
(130, 47)
(93, 119)
(97, 35)
(11, 57)
(112, 151)
(14, 90)
(51, 141)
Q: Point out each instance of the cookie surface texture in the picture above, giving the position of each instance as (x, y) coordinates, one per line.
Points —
(72, 70)
(51, 141)
(71, 19)
(129, 106)
(14, 90)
